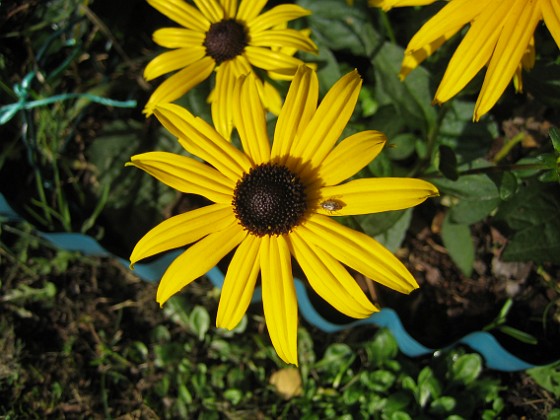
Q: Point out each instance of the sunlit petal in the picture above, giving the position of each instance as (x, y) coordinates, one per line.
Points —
(186, 175)
(180, 83)
(279, 297)
(222, 99)
(267, 59)
(200, 139)
(249, 9)
(275, 16)
(198, 260)
(283, 38)
(172, 60)
(330, 279)
(178, 38)
(211, 9)
(250, 121)
(182, 230)
(551, 16)
(183, 13)
(230, 8)
(374, 195)
(358, 251)
(239, 283)
(350, 156)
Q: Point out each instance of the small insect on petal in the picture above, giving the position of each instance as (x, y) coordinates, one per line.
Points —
(332, 205)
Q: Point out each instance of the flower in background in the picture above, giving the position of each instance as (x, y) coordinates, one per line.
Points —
(272, 202)
(217, 35)
(500, 37)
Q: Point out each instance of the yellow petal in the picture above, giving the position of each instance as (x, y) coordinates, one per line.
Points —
(474, 51)
(178, 38)
(358, 251)
(275, 16)
(182, 13)
(283, 38)
(249, 9)
(200, 139)
(172, 60)
(222, 103)
(182, 230)
(328, 122)
(267, 59)
(414, 58)
(350, 156)
(230, 8)
(551, 16)
(279, 297)
(374, 195)
(250, 121)
(518, 30)
(198, 260)
(239, 283)
(454, 15)
(298, 109)
(180, 83)
(271, 98)
(211, 9)
(330, 279)
(389, 4)
(186, 175)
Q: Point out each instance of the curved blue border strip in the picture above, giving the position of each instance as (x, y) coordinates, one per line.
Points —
(494, 354)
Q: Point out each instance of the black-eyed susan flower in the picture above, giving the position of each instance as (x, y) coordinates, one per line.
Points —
(220, 36)
(274, 201)
(500, 37)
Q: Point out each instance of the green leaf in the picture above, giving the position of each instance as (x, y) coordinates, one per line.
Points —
(447, 163)
(402, 146)
(199, 321)
(554, 134)
(443, 405)
(382, 348)
(548, 377)
(532, 215)
(466, 368)
(458, 241)
(388, 227)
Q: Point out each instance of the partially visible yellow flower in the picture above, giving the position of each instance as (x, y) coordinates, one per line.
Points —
(274, 201)
(219, 36)
(500, 37)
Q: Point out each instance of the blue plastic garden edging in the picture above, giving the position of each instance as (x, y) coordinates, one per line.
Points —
(495, 356)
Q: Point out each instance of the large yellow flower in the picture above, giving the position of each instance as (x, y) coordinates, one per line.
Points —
(274, 201)
(229, 39)
(500, 37)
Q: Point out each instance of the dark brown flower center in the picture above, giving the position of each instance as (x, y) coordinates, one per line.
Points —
(269, 200)
(225, 40)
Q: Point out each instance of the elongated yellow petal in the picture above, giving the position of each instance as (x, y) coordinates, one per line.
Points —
(211, 9)
(474, 51)
(183, 13)
(453, 16)
(178, 38)
(198, 260)
(350, 156)
(330, 279)
(279, 297)
(182, 230)
(250, 121)
(267, 59)
(222, 99)
(173, 60)
(328, 122)
(518, 30)
(374, 195)
(249, 9)
(358, 251)
(276, 16)
(283, 38)
(298, 109)
(180, 83)
(200, 139)
(271, 98)
(186, 175)
(239, 283)
(389, 4)
(230, 8)
(551, 16)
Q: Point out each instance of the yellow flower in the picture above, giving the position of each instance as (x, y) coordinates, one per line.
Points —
(500, 37)
(273, 202)
(229, 39)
